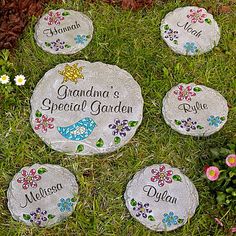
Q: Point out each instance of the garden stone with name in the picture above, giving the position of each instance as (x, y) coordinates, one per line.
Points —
(190, 30)
(42, 195)
(63, 31)
(86, 108)
(161, 197)
(195, 110)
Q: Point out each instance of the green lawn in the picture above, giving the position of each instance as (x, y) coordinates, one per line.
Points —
(132, 41)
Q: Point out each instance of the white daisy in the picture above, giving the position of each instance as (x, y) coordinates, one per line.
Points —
(4, 79)
(20, 80)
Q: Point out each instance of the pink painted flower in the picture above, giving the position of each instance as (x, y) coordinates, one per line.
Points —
(161, 176)
(29, 179)
(54, 18)
(197, 16)
(44, 123)
(184, 93)
(212, 173)
(231, 160)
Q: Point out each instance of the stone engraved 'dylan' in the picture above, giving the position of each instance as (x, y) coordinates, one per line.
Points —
(50, 32)
(41, 194)
(189, 29)
(153, 192)
(195, 108)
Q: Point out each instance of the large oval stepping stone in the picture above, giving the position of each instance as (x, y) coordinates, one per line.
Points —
(63, 31)
(161, 197)
(194, 109)
(86, 108)
(190, 30)
(42, 195)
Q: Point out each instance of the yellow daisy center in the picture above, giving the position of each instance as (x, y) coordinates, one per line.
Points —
(231, 160)
(211, 172)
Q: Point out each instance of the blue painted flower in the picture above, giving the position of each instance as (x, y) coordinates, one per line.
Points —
(65, 204)
(80, 39)
(190, 47)
(170, 219)
(214, 121)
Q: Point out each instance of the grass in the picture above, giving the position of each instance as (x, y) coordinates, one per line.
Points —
(132, 41)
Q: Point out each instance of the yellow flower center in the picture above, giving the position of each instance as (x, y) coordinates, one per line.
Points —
(162, 175)
(211, 172)
(29, 178)
(20, 80)
(231, 160)
(142, 209)
(4, 77)
(38, 216)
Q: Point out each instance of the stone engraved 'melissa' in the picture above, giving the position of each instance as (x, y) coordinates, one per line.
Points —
(189, 29)
(195, 108)
(50, 32)
(43, 193)
(153, 192)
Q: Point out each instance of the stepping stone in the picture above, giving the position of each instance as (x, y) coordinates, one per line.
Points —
(63, 31)
(86, 108)
(194, 110)
(161, 197)
(190, 30)
(42, 195)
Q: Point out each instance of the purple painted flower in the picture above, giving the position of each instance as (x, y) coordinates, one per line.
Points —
(188, 124)
(58, 44)
(38, 216)
(120, 127)
(142, 209)
(171, 34)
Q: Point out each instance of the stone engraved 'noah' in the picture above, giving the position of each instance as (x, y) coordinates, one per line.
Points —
(165, 197)
(195, 108)
(43, 193)
(51, 32)
(189, 29)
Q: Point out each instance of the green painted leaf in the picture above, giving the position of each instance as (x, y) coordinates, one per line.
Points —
(100, 143)
(65, 13)
(200, 127)
(67, 46)
(151, 218)
(133, 202)
(117, 140)
(132, 123)
(73, 199)
(42, 170)
(175, 42)
(80, 148)
(208, 21)
(180, 221)
(50, 216)
(47, 44)
(197, 89)
(26, 216)
(177, 122)
(88, 36)
(38, 113)
(166, 27)
(222, 118)
(177, 178)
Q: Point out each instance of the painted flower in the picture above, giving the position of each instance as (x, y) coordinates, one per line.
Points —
(58, 44)
(171, 34)
(65, 205)
(214, 121)
(54, 18)
(38, 216)
(44, 123)
(20, 80)
(142, 209)
(170, 219)
(188, 124)
(120, 127)
(184, 93)
(212, 173)
(4, 79)
(161, 176)
(190, 47)
(29, 179)
(80, 39)
(196, 16)
(231, 160)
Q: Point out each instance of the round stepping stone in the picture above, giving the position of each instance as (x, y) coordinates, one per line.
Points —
(190, 30)
(42, 195)
(195, 110)
(161, 197)
(86, 108)
(63, 31)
